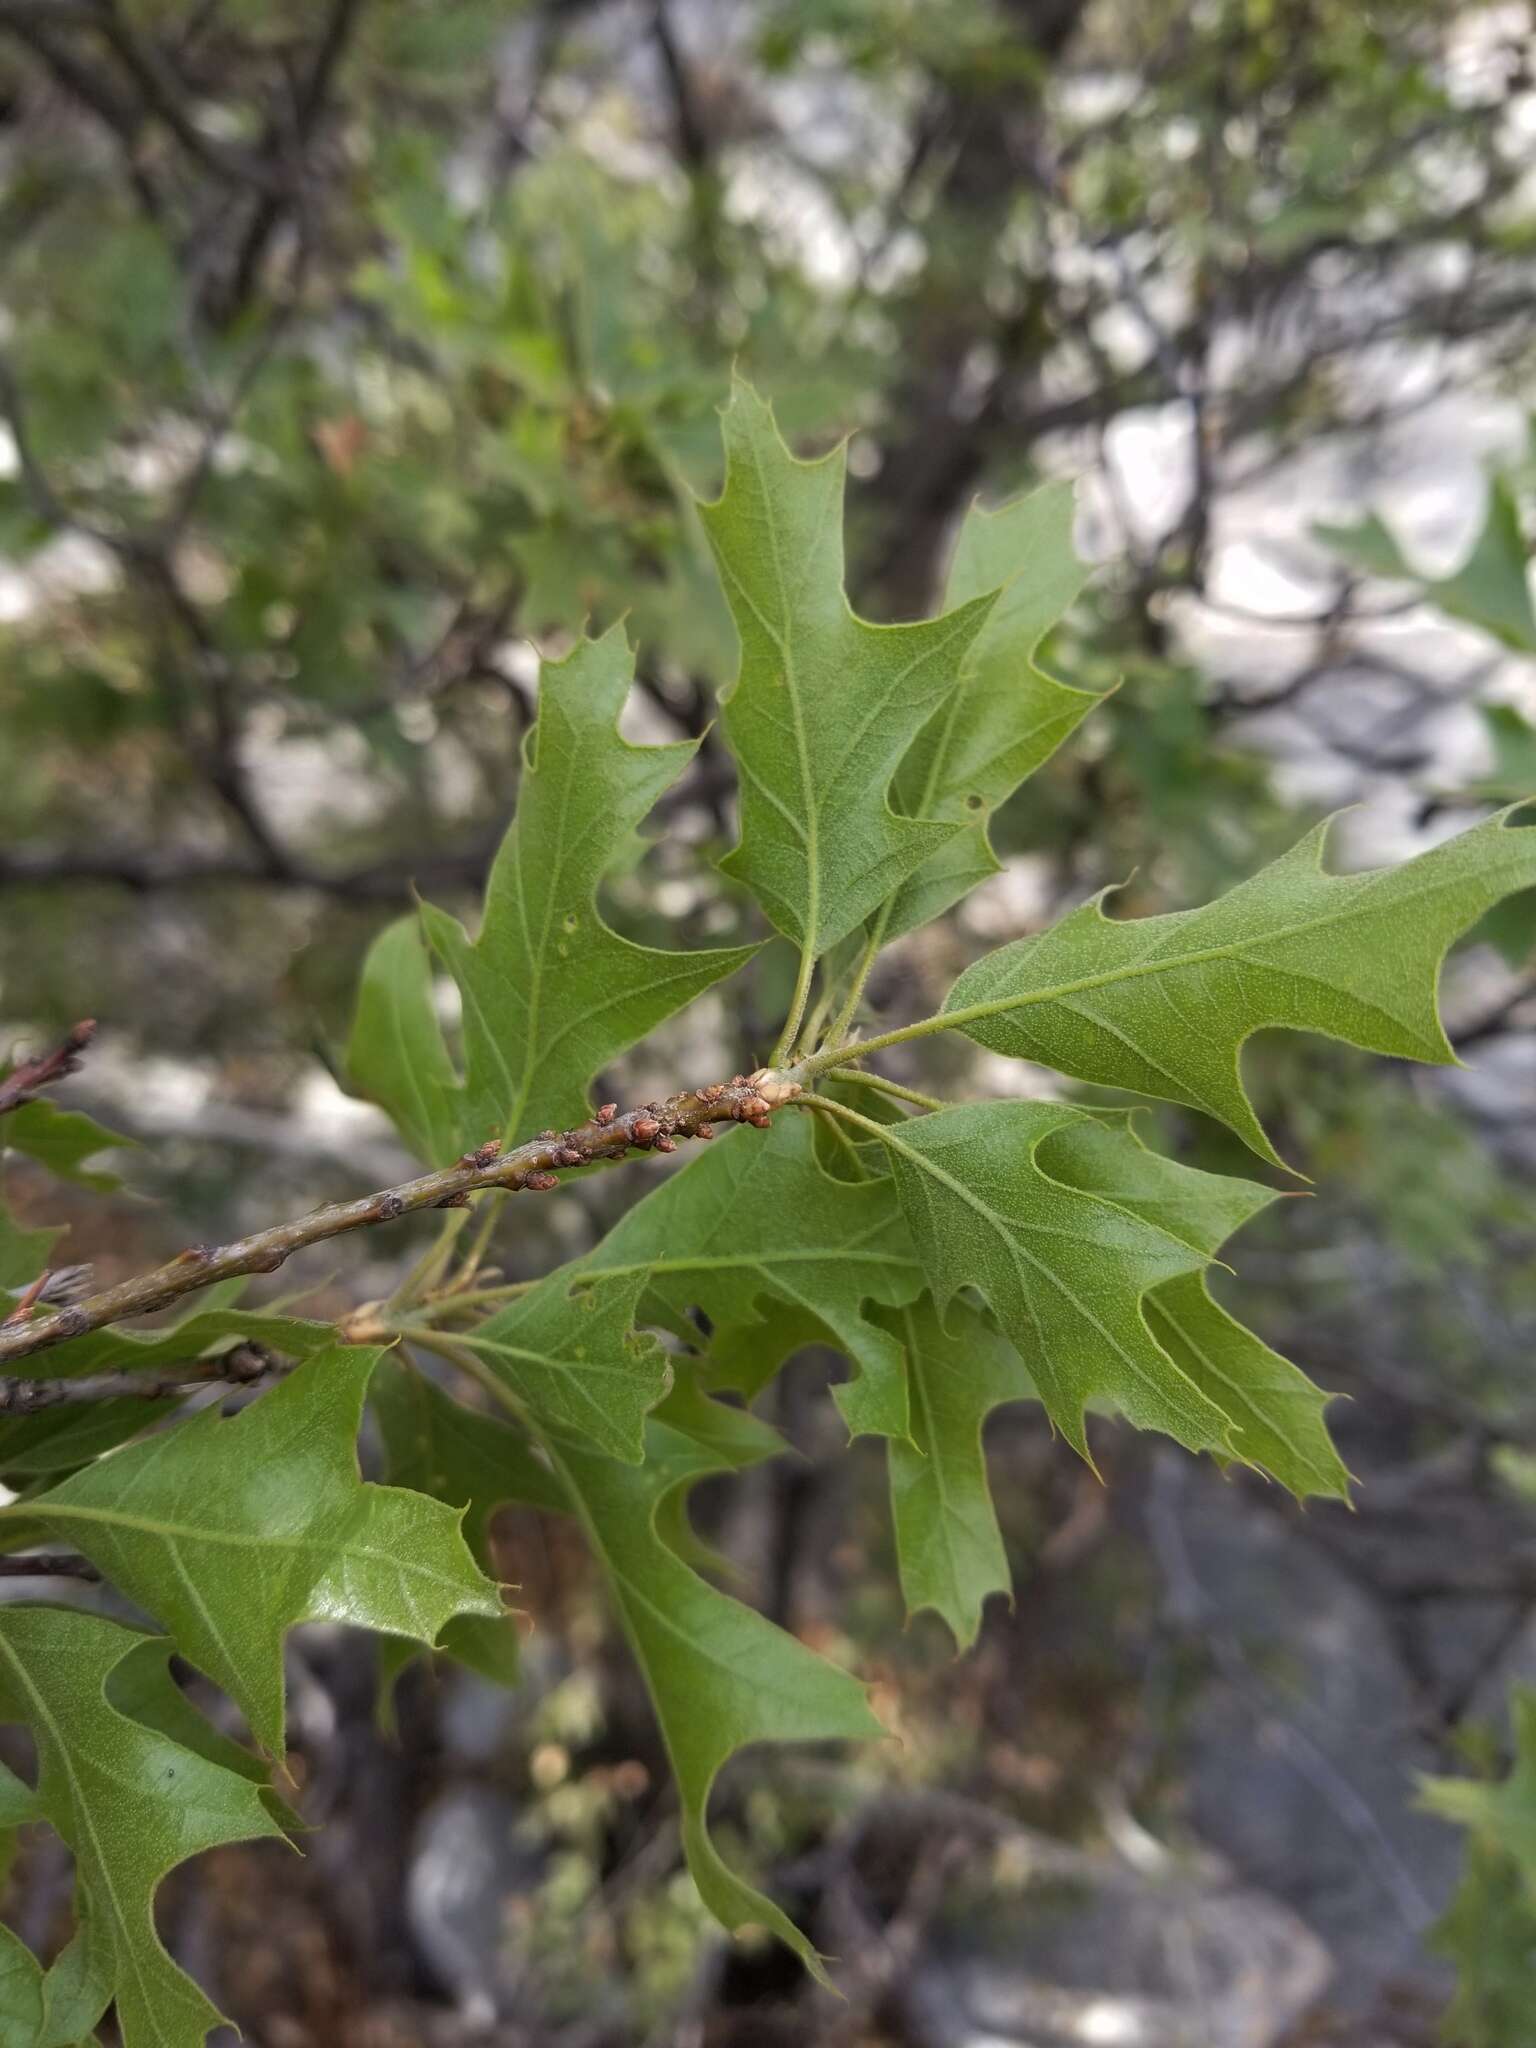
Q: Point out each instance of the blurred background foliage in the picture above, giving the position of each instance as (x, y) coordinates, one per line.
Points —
(355, 355)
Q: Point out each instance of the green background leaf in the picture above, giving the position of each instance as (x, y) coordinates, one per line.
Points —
(720, 1675)
(570, 1356)
(948, 1545)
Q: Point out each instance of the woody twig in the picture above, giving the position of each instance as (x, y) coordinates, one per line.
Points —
(533, 1167)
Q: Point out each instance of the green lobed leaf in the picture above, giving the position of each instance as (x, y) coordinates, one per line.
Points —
(230, 1531)
(474, 1462)
(735, 1438)
(397, 1055)
(1065, 1271)
(21, 1992)
(948, 1545)
(143, 1687)
(777, 1254)
(825, 705)
(62, 1140)
(130, 1803)
(1005, 716)
(720, 1675)
(569, 1355)
(1275, 1411)
(551, 994)
(1164, 1005)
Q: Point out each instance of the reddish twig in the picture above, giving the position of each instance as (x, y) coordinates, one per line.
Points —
(23, 1082)
(28, 1298)
(654, 1126)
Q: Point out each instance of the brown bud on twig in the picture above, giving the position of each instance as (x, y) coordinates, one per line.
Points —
(645, 1130)
(569, 1156)
(541, 1183)
(482, 1154)
(607, 1113)
(665, 1143)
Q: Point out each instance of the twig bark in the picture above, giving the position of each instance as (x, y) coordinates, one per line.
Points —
(241, 1367)
(48, 1564)
(24, 1082)
(654, 1126)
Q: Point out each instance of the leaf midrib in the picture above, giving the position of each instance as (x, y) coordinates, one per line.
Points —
(756, 1261)
(936, 1467)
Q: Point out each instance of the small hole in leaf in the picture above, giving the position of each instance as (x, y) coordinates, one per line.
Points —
(975, 803)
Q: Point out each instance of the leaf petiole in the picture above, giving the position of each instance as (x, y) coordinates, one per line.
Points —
(797, 1005)
(893, 1088)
